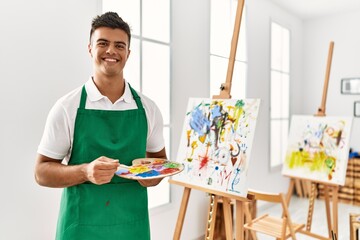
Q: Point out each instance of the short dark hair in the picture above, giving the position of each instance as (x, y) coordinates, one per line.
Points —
(111, 20)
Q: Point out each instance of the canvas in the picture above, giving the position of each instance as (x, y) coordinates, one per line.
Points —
(318, 148)
(215, 144)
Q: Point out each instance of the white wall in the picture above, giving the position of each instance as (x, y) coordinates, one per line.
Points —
(343, 30)
(43, 48)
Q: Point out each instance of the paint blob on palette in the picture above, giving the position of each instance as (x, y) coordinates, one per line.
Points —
(149, 168)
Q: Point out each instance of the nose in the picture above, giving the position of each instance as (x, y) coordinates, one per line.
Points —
(111, 49)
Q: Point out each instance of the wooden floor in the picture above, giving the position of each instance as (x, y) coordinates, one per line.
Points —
(298, 210)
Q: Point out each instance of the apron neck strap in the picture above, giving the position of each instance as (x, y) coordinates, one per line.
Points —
(136, 98)
(83, 98)
(133, 92)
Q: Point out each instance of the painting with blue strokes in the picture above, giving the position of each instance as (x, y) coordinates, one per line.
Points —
(215, 144)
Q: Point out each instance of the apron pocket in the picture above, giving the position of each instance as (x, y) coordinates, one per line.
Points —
(112, 204)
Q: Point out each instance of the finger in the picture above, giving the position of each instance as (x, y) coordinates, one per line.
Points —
(107, 160)
(108, 165)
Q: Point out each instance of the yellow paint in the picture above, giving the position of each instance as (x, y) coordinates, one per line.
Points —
(139, 169)
(316, 162)
(193, 146)
(202, 138)
(238, 111)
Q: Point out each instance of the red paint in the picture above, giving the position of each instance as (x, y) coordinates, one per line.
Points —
(168, 170)
(204, 162)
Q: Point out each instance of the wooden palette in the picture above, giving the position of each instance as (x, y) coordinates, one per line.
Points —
(149, 168)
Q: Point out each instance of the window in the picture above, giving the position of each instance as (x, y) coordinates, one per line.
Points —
(222, 19)
(150, 39)
(279, 93)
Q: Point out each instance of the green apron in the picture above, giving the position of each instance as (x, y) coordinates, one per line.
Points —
(117, 210)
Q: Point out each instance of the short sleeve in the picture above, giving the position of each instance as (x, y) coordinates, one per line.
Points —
(155, 140)
(56, 140)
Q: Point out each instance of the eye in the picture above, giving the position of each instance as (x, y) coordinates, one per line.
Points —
(102, 44)
(120, 46)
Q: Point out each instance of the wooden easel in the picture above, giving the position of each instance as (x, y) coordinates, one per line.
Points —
(215, 196)
(332, 225)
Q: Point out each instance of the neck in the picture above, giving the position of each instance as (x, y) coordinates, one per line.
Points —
(111, 87)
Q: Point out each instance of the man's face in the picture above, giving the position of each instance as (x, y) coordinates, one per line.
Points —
(109, 49)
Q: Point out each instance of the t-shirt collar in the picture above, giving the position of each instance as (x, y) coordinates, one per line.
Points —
(94, 94)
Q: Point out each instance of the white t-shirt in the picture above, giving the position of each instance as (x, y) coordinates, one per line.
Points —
(57, 139)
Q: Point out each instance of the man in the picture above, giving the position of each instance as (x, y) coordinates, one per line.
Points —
(89, 132)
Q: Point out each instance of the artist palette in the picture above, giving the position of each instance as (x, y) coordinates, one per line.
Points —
(149, 168)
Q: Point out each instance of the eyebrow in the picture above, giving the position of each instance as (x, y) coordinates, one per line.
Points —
(104, 40)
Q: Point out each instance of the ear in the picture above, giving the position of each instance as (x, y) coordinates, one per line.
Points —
(89, 49)
(129, 51)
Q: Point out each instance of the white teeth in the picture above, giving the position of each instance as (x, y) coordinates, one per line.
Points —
(110, 60)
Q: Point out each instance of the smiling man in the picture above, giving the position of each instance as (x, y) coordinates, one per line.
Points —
(89, 132)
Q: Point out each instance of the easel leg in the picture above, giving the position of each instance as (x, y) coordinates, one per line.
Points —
(239, 220)
(299, 189)
(209, 235)
(227, 218)
(327, 208)
(290, 191)
(182, 211)
(335, 210)
(311, 207)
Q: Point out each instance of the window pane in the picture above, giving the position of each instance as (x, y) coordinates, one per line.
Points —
(238, 83)
(285, 50)
(156, 20)
(128, 10)
(280, 90)
(156, 74)
(222, 20)
(276, 95)
(132, 68)
(279, 138)
(279, 95)
(218, 68)
(285, 96)
(220, 30)
(280, 48)
(276, 46)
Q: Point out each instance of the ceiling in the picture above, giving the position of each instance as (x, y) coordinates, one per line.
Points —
(308, 9)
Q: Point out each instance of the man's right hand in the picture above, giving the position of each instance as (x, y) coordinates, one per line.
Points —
(51, 172)
(101, 170)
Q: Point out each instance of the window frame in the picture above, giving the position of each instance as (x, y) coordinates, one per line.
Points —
(278, 166)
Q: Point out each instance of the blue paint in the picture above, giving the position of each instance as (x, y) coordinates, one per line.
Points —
(215, 112)
(151, 173)
(199, 123)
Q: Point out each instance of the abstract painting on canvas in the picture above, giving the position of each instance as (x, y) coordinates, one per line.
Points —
(216, 142)
(318, 148)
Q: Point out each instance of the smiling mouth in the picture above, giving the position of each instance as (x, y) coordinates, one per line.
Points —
(112, 60)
